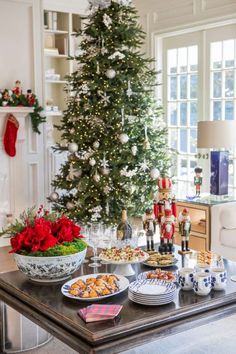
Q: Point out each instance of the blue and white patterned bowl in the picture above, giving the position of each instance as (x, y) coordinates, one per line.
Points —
(49, 269)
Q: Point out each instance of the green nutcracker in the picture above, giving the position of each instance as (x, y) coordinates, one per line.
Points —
(198, 180)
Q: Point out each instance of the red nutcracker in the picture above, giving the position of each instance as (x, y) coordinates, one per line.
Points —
(17, 90)
(167, 232)
(164, 198)
(30, 98)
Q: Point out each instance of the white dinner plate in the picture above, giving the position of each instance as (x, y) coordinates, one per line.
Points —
(143, 275)
(123, 284)
(150, 303)
(152, 287)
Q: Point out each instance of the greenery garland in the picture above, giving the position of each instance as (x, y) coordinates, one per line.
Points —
(10, 99)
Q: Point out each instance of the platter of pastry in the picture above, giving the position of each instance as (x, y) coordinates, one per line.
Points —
(160, 260)
(158, 274)
(125, 255)
(95, 287)
(207, 257)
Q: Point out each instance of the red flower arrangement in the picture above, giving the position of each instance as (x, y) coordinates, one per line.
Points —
(41, 231)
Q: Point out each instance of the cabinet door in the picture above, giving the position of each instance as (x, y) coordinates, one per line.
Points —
(198, 218)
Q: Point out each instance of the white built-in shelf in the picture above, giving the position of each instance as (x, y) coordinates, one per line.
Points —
(60, 56)
(56, 81)
(55, 31)
(53, 114)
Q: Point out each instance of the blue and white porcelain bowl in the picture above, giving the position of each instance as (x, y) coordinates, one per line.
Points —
(202, 283)
(49, 269)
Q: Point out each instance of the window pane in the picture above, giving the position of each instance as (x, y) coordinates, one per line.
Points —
(183, 86)
(216, 110)
(173, 87)
(193, 141)
(183, 140)
(229, 83)
(193, 86)
(193, 114)
(193, 57)
(228, 53)
(183, 114)
(182, 59)
(172, 61)
(229, 110)
(183, 168)
(217, 84)
(173, 113)
(216, 55)
(173, 138)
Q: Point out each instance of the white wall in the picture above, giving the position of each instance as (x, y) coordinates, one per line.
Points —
(160, 16)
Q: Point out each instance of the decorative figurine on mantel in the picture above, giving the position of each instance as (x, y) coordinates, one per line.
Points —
(167, 232)
(149, 226)
(17, 90)
(184, 230)
(164, 199)
(198, 180)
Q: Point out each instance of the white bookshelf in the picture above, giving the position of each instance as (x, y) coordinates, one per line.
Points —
(59, 43)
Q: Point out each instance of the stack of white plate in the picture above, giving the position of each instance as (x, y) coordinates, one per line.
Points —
(152, 292)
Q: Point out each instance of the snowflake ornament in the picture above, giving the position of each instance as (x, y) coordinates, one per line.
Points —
(107, 189)
(144, 166)
(126, 173)
(104, 162)
(104, 98)
(131, 119)
(84, 89)
(107, 20)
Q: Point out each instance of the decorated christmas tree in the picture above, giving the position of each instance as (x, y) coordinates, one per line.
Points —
(112, 129)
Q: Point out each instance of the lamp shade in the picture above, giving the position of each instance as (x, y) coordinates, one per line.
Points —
(219, 134)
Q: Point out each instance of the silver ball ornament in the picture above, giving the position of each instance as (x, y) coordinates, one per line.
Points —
(70, 205)
(96, 177)
(110, 73)
(54, 196)
(96, 144)
(134, 150)
(92, 162)
(78, 173)
(123, 138)
(154, 173)
(73, 147)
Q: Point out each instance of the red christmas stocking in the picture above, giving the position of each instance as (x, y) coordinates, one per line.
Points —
(10, 135)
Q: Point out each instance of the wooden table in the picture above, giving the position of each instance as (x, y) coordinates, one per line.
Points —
(137, 324)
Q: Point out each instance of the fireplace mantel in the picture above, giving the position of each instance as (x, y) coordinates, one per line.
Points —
(20, 113)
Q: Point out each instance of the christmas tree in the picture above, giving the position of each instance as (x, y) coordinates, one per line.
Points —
(112, 129)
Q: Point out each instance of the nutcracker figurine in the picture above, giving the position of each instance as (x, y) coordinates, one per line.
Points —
(184, 230)
(30, 98)
(164, 199)
(198, 179)
(167, 232)
(149, 225)
(17, 90)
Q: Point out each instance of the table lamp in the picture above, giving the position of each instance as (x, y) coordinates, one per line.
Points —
(218, 135)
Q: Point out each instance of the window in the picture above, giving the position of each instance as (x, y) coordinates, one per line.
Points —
(198, 76)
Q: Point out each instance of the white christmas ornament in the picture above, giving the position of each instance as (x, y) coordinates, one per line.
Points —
(107, 20)
(54, 196)
(144, 166)
(123, 138)
(73, 147)
(110, 73)
(154, 173)
(107, 189)
(105, 171)
(96, 144)
(123, 2)
(104, 98)
(117, 55)
(134, 150)
(96, 177)
(92, 162)
(70, 205)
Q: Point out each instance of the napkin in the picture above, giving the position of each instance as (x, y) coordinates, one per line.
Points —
(98, 312)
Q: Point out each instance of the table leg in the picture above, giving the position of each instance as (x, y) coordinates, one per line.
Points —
(1, 328)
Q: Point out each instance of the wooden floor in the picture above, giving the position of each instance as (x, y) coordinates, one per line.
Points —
(7, 263)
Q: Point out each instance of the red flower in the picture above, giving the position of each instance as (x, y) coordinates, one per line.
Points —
(44, 234)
